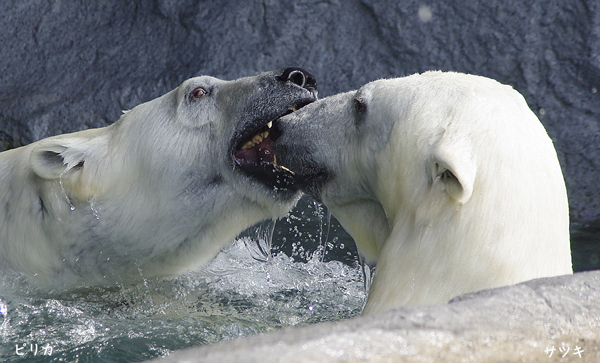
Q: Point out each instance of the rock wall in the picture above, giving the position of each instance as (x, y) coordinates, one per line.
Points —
(70, 65)
(546, 320)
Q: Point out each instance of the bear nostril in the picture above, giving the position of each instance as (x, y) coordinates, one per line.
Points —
(300, 77)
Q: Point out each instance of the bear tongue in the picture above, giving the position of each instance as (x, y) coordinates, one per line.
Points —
(259, 154)
(247, 156)
(265, 151)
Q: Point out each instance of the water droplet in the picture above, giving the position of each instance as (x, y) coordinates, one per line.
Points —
(425, 14)
(92, 202)
(3, 308)
(62, 187)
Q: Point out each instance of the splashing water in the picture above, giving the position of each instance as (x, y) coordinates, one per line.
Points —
(64, 192)
(94, 208)
(247, 289)
(260, 247)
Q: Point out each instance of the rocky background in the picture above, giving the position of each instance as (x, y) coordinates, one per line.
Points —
(71, 65)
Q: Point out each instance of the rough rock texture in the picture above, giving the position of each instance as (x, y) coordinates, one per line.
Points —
(70, 65)
(520, 323)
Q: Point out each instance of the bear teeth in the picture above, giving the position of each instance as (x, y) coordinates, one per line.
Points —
(286, 169)
(257, 139)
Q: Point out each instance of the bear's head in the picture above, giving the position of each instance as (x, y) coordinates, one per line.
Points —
(337, 146)
(174, 179)
(206, 130)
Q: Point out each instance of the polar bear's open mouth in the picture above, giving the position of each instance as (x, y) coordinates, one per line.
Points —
(257, 150)
(254, 155)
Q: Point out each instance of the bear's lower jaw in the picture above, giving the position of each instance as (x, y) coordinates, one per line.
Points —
(274, 177)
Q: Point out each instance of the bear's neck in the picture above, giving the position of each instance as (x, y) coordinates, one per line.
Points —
(367, 223)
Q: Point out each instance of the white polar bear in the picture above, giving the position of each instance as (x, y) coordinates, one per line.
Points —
(158, 192)
(447, 180)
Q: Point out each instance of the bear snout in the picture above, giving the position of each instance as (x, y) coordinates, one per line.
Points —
(299, 77)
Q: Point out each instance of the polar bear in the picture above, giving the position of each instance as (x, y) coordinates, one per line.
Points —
(158, 192)
(448, 181)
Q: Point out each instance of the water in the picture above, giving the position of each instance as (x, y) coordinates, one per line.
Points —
(250, 287)
(310, 273)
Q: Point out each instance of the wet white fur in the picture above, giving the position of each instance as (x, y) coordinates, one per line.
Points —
(449, 181)
(155, 197)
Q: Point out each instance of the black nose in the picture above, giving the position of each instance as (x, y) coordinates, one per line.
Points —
(299, 77)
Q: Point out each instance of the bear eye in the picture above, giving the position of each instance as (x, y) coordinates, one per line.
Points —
(199, 92)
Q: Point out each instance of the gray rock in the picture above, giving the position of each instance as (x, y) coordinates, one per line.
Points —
(70, 65)
(520, 323)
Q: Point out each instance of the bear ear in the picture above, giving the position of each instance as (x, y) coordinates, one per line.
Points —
(54, 157)
(453, 164)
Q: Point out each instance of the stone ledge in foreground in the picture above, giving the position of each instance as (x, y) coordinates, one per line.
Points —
(519, 323)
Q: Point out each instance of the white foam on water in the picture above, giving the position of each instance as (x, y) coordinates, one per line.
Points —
(245, 290)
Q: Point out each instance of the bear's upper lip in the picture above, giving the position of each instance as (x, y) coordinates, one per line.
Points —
(252, 150)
